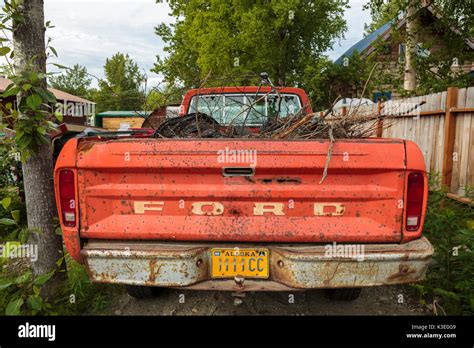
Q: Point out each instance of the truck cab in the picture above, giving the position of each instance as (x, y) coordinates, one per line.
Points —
(230, 105)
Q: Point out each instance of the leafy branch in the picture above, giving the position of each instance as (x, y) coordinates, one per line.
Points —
(32, 117)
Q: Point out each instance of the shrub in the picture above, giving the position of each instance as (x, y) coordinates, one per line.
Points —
(449, 225)
(80, 295)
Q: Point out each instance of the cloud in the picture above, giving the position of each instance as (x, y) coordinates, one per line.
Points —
(88, 32)
(356, 17)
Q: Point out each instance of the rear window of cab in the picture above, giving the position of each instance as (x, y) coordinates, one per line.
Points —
(255, 109)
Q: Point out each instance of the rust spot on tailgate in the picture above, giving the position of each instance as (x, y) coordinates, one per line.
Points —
(281, 180)
(85, 146)
(152, 275)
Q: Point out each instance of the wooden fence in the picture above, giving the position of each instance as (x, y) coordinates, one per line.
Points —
(444, 131)
(443, 128)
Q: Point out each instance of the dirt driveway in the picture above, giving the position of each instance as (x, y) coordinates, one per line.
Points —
(373, 301)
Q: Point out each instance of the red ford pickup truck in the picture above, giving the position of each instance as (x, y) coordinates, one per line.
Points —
(244, 214)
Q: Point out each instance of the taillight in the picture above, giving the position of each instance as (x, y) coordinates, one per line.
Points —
(414, 204)
(67, 197)
(181, 110)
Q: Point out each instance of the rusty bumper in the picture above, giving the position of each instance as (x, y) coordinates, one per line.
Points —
(292, 267)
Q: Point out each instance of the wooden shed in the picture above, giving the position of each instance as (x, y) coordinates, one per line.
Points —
(113, 120)
(75, 110)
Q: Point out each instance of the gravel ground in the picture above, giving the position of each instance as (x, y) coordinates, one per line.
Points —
(373, 301)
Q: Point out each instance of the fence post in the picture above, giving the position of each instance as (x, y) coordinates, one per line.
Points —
(449, 135)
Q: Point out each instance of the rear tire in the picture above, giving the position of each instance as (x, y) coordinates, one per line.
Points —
(345, 294)
(141, 292)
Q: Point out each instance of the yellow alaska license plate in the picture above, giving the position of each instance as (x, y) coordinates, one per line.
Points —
(231, 262)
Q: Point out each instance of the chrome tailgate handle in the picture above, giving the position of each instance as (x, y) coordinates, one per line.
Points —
(238, 171)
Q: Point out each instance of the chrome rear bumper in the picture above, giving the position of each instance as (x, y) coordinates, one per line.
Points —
(292, 267)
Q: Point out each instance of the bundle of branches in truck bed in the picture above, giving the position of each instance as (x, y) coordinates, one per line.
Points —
(297, 126)
(300, 125)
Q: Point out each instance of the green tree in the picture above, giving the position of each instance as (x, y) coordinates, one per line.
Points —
(158, 97)
(457, 13)
(239, 39)
(75, 80)
(122, 87)
(386, 12)
(329, 80)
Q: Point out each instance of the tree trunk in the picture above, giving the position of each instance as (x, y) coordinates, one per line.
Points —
(29, 48)
(409, 83)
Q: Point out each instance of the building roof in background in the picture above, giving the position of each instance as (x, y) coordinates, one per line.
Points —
(60, 95)
(385, 31)
(124, 114)
(365, 42)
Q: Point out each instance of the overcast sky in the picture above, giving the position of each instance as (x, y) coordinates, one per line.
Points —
(88, 31)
